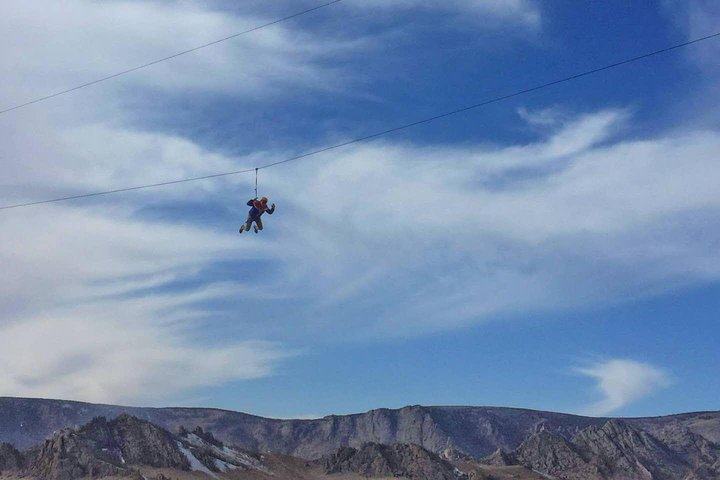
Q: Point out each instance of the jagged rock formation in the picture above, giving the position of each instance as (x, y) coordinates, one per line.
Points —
(617, 450)
(500, 458)
(696, 450)
(103, 448)
(215, 456)
(10, 458)
(621, 451)
(67, 457)
(551, 454)
(399, 460)
(138, 442)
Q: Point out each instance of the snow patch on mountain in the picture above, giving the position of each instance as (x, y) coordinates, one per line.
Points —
(195, 464)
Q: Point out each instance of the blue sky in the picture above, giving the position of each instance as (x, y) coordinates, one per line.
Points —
(555, 251)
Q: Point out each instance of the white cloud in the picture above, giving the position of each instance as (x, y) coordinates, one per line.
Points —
(385, 238)
(622, 382)
(87, 312)
(103, 354)
(48, 46)
(428, 238)
(90, 306)
(523, 12)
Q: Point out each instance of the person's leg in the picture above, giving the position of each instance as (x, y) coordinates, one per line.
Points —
(246, 227)
(259, 224)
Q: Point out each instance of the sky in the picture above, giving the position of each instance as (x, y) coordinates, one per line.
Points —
(554, 251)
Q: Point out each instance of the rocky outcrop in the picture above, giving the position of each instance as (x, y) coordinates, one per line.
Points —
(214, 455)
(621, 451)
(66, 456)
(124, 446)
(102, 448)
(618, 451)
(142, 443)
(696, 450)
(500, 458)
(553, 455)
(399, 460)
(10, 459)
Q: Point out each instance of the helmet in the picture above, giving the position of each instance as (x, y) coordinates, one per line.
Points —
(263, 199)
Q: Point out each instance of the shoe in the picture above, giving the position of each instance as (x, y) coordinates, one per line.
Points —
(256, 229)
(242, 229)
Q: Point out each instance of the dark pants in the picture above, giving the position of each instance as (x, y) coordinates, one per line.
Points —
(250, 220)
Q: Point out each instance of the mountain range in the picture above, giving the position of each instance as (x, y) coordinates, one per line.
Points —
(63, 440)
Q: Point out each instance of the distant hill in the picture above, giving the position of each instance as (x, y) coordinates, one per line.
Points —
(474, 431)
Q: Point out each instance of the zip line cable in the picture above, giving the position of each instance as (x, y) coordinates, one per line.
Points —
(164, 59)
(373, 135)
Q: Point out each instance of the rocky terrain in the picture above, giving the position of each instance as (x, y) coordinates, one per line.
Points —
(399, 460)
(617, 450)
(476, 431)
(444, 443)
(126, 447)
(10, 458)
(130, 448)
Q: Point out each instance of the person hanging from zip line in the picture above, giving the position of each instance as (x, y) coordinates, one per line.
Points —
(258, 207)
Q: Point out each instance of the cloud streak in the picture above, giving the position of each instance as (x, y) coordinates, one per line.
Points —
(92, 298)
(520, 12)
(469, 233)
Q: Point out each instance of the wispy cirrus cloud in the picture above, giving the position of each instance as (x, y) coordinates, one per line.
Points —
(622, 382)
(464, 237)
(599, 219)
(520, 12)
(99, 39)
(89, 311)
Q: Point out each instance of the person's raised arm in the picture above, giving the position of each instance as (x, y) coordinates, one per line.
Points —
(271, 210)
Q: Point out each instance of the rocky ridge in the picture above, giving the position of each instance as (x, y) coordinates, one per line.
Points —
(414, 441)
(475, 431)
(399, 460)
(119, 447)
(617, 450)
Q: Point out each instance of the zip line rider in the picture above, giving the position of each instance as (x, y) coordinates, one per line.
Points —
(258, 208)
